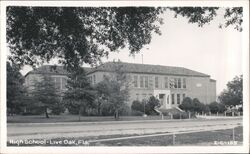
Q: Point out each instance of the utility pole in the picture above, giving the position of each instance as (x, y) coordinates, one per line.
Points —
(142, 58)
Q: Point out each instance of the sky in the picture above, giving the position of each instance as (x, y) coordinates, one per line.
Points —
(209, 49)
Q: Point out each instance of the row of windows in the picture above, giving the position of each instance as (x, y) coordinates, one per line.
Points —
(176, 83)
(60, 82)
(178, 98)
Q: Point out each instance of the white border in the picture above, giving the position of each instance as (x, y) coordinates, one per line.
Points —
(182, 149)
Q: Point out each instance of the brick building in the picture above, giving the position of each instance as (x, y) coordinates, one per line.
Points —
(169, 84)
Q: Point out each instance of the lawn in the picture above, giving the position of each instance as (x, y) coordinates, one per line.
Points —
(207, 138)
(74, 118)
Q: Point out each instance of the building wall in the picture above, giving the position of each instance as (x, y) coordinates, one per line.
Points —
(196, 87)
(59, 80)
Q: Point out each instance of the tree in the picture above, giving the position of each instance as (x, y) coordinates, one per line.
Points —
(151, 104)
(16, 92)
(233, 94)
(186, 104)
(217, 107)
(114, 90)
(137, 106)
(193, 105)
(45, 94)
(80, 94)
(77, 35)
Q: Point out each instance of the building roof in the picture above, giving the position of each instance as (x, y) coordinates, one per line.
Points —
(53, 70)
(125, 67)
(146, 69)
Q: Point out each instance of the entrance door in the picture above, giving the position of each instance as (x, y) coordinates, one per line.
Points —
(162, 99)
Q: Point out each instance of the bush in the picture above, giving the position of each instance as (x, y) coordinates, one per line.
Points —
(137, 106)
(193, 105)
(217, 107)
(180, 115)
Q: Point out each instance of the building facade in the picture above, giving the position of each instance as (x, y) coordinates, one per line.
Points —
(169, 84)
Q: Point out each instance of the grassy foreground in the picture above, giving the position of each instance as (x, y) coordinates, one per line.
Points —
(74, 118)
(208, 138)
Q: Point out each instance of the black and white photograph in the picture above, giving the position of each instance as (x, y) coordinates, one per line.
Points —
(124, 76)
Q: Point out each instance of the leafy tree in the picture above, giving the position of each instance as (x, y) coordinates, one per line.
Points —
(45, 94)
(77, 35)
(217, 107)
(151, 104)
(233, 94)
(187, 104)
(137, 106)
(80, 94)
(193, 105)
(114, 90)
(203, 15)
(16, 92)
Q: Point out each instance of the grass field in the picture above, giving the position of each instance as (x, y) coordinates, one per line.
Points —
(74, 118)
(208, 138)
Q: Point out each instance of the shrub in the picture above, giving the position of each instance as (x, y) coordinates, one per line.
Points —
(151, 104)
(217, 107)
(193, 105)
(137, 106)
(180, 115)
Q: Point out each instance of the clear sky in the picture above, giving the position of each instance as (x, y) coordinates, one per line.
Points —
(209, 49)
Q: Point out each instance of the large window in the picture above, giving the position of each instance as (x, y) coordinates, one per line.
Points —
(179, 82)
(175, 82)
(141, 82)
(135, 81)
(156, 82)
(58, 82)
(172, 98)
(184, 83)
(146, 81)
(178, 98)
(166, 82)
(64, 83)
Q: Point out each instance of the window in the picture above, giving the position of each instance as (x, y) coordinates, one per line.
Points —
(184, 83)
(172, 98)
(166, 82)
(57, 82)
(64, 83)
(179, 82)
(156, 82)
(168, 99)
(175, 83)
(171, 83)
(146, 81)
(178, 98)
(135, 81)
(141, 82)
(94, 79)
